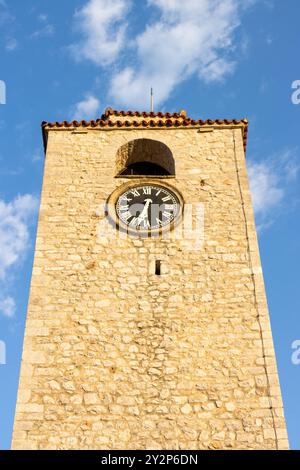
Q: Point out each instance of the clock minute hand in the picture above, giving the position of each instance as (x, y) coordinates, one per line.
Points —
(144, 212)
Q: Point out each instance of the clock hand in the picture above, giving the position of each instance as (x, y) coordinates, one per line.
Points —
(144, 212)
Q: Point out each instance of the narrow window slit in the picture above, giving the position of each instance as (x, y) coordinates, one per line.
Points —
(158, 267)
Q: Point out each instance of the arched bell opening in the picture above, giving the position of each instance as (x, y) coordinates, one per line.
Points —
(145, 157)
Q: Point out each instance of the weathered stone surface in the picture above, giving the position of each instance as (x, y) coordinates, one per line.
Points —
(116, 357)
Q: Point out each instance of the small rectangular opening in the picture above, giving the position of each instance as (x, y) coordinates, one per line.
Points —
(158, 267)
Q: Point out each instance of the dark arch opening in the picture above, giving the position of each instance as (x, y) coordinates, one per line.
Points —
(145, 157)
(144, 168)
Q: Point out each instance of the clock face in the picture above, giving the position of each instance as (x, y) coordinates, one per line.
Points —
(147, 207)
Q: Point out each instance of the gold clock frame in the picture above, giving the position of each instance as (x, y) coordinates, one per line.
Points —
(111, 213)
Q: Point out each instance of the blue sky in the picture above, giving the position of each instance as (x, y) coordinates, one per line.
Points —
(216, 59)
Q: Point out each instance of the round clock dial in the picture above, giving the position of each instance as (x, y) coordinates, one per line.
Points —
(147, 207)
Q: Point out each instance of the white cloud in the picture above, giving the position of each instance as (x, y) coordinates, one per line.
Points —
(36, 156)
(269, 40)
(5, 15)
(265, 187)
(11, 44)
(271, 182)
(290, 164)
(216, 71)
(103, 27)
(47, 30)
(190, 37)
(7, 306)
(15, 217)
(194, 37)
(88, 108)
(42, 17)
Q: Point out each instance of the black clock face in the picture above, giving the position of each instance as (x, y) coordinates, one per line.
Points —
(147, 207)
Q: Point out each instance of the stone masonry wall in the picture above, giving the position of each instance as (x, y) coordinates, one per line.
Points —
(116, 357)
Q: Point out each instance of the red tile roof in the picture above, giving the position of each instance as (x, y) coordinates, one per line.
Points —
(113, 112)
(179, 120)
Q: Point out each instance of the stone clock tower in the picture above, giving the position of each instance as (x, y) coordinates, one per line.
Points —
(147, 324)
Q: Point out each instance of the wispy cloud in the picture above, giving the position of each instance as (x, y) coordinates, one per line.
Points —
(43, 17)
(7, 24)
(11, 44)
(5, 15)
(271, 182)
(194, 37)
(266, 187)
(190, 38)
(88, 108)
(15, 219)
(46, 30)
(103, 27)
(36, 155)
(269, 40)
(7, 306)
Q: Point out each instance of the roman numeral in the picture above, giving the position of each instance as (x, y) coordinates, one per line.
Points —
(146, 223)
(134, 221)
(125, 198)
(169, 207)
(168, 215)
(147, 190)
(126, 215)
(124, 208)
(166, 198)
(135, 192)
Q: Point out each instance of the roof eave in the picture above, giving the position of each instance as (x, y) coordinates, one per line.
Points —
(150, 123)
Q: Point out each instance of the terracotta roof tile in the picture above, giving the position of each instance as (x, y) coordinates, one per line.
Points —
(113, 112)
(166, 120)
